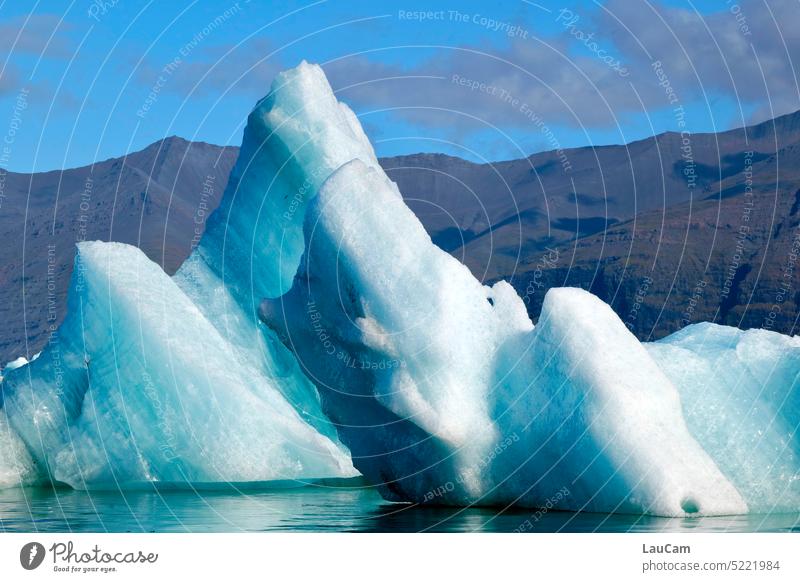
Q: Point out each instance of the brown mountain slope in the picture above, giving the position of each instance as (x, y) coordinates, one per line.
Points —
(604, 218)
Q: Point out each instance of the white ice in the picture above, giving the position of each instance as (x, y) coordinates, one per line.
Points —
(444, 391)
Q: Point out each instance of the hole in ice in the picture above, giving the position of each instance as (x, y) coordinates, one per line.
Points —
(490, 300)
(689, 505)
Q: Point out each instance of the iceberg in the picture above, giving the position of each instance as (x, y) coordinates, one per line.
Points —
(294, 139)
(139, 387)
(446, 393)
(741, 399)
(78, 425)
(317, 331)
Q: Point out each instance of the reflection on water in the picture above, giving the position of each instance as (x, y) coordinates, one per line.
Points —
(316, 508)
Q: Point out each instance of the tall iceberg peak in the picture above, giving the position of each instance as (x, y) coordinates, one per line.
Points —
(294, 139)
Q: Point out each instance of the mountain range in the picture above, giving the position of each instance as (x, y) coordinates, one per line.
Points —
(670, 230)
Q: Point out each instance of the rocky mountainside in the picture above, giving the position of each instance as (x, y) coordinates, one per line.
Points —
(496, 215)
(730, 257)
(670, 230)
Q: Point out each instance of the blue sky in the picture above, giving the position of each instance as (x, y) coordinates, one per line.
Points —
(92, 79)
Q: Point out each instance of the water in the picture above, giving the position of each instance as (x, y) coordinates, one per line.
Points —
(315, 509)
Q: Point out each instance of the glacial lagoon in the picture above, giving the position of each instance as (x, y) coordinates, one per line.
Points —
(319, 509)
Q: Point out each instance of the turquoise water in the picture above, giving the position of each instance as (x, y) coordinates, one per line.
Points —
(313, 509)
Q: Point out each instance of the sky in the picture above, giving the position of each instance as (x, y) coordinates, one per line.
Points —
(87, 80)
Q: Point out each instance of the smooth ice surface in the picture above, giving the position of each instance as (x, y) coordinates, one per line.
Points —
(444, 391)
(137, 386)
(267, 361)
(741, 401)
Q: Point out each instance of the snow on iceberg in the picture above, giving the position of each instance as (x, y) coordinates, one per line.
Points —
(444, 391)
(137, 386)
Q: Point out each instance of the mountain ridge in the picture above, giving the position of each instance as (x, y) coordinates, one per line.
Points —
(498, 218)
